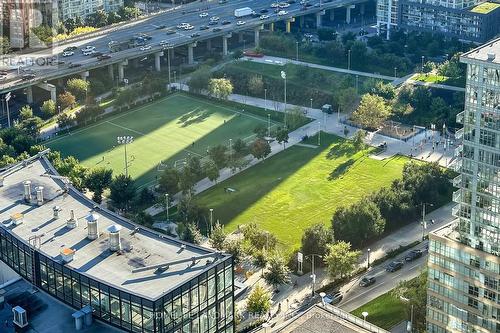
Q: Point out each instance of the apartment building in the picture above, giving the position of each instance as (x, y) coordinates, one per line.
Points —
(464, 264)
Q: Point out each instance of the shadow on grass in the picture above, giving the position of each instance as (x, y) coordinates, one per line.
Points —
(341, 169)
(194, 117)
(343, 148)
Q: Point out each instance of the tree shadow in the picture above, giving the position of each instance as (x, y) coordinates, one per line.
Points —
(341, 169)
(193, 117)
(344, 148)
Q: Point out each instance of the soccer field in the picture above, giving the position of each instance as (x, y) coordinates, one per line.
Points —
(299, 187)
(167, 130)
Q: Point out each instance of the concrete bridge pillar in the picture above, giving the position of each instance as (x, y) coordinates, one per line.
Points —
(301, 21)
(224, 44)
(209, 45)
(348, 13)
(332, 14)
(240, 37)
(191, 53)
(319, 22)
(48, 87)
(257, 35)
(271, 26)
(84, 75)
(111, 72)
(158, 56)
(362, 8)
(121, 70)
(29, 94)
(288, 26)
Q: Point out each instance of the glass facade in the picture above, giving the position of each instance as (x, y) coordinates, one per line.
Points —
(203, 304)
(464, 264)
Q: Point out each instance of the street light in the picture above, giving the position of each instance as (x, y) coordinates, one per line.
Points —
(125, 140)
(211, 220)
(319, 133)
(230, 151)
(424, 223)
(368, 265)
(422, 64)
(167, 205)
(265, 99)
(364, 314)
(349, 59)
(395, 72)
(268, 125)
(168, 64)
(313, 276)
(297, 51)
(311, 103)
(283, 76)
(409, 325)
(322, 295)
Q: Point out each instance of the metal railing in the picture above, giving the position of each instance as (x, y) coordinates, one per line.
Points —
(353, 319)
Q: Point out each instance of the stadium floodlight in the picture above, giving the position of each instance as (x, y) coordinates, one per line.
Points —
(125, 140)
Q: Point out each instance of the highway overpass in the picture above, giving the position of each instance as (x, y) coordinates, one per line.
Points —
(156, 26)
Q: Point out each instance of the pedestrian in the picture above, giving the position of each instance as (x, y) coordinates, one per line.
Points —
(192, 145)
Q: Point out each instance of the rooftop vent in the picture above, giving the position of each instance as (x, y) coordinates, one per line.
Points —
(491, 56)
(27, 191)
(67, 254)
(20, 317)
(56, 210)
(72, 223)
(114, 237)
(15, 219)
(92, 220)
(39, 195)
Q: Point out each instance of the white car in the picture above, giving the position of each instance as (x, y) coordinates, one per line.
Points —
(189, 27)
(264, 17)
(165, 43)
(283, 5)
(282, 12)
(274, 5)
(214, 18)
(182, 25)
(204, 14)
(88, 52)
(240, 22)
(145, 47)
(68, 53)
(88, 48)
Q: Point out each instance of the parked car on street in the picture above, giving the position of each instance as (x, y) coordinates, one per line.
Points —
(333, 298)
(394, 266)
(367, 281)
(413, 254)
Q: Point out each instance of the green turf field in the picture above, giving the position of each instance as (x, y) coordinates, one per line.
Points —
(167, 130)
(299, 187)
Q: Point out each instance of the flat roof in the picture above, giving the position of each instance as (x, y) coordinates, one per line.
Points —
(483, 52)
(485, 7)
(141, 247)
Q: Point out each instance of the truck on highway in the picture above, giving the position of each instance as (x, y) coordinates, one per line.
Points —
(241, 12)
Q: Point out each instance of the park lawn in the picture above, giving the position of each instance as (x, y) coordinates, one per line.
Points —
(385, 311)
(291, 190)
(431, 78)
(167, 130)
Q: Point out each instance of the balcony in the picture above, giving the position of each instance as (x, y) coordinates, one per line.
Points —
(458, 151)
(459, 134)
(456, 165)
(457, 196)
(457, 181)
(455, 211)
(460, 117)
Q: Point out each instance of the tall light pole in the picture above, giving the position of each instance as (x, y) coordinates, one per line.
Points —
(230, 150)
(422, 69)
(168, 65)
(311, 103)
(424, 223)
(368, 264)
(268, 125)
(395, 72)
(167, 205)
(349, 59)
(319, 133)
(409, 325)
(297, 51)
(265, 99)
(357, 83)
(125, 140)
(283, 76)
(313, 275)
(211, 220)
(364, 314)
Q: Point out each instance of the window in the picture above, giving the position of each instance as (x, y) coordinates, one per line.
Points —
(474, 291)
(472, 303)
(490, 295)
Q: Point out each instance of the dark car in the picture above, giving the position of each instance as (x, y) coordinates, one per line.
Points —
(216, 29)
(74, 65)
(367, 281)
(104, 57)
(195, 35)
(394, 266)
(70, 48)
(333, 298)
(413, 254)
(159, 27)
(291, 1)
(225, 22)
(97, 54)
(27, 77)
(204, 27)
(263, 11)
(170, 32)
(213, 22)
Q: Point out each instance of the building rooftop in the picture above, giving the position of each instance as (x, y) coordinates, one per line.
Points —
(140, 247)
(485, 7)
(488, 52)
(328, 319)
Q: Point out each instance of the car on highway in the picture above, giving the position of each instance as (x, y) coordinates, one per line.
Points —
(291, 2)
(88, 48)
(145, 48)
(204, 14)
(74, 65)
(215, 18)
(170, 32)
(413, 254)
(182, 25)
(27, 77)
(264, 17)
(283, 5)
(67, 53)
(213, 23)
(367, 281)
(333, 298)
(88, 52)
(263, 11)
(70, 48)
(216, 29)
(274, 5)
(394, 266)
(189, 27)
(195, 35)
(145, 36)
(159, 27)
(204, 27)
(96, 54)
(104, 57)
(225, 22)
(240, 23)
(282, 12)
(222, 2)
(165, 43)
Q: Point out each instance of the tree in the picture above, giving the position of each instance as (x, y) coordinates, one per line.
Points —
(340, 259)
(194, 166)
(415, 290)
(282, 136)
(240, 148)
(371, 112)
(25, 113)
(186, 181)
(218, 154)
(66, 100)
(98, 19)
(220, 88)
(277, 272)
(358, 139)
(48, 108)
(234, 248)
(218, 237)
(384, 90)
(315, 240)
(429, 66)
(211, 170)
(4, 45)
(64, 120)
(78, 87)
(113, 17)
(260, 149)
(259, 301)
(260, 130)
(348, 100)
(199, 79)
(122, 191)
(255, 85)
(31, 126)
(97, 181)
(169, 181)
(190, 233)
(259, 239)
(260, 259)
(357, 223)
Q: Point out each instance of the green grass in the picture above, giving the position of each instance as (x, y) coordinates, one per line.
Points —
(485, 8)
(431, 78)
(293, 189)
(385, 311)
(167, 130)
